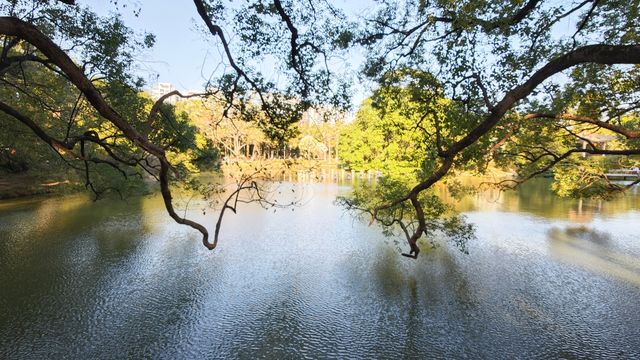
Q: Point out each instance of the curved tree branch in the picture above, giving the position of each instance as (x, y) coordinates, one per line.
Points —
(628, 133)
(599, 54)
(11, 26)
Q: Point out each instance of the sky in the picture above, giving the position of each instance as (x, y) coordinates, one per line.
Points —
(183, 55)
(180, 54)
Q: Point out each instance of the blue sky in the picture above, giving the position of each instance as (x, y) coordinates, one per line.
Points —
(182, 55)
(180, 50)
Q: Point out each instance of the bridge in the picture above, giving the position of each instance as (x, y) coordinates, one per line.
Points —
(623, 174)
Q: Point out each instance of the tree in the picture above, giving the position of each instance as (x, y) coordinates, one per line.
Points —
(507, 73)
(395, 131)
(123, 131)
(507, 68)
(312, 148)
(393, 128)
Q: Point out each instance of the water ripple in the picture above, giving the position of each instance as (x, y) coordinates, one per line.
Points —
(125, 282)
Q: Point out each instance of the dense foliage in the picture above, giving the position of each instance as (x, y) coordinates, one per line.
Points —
(42, 98)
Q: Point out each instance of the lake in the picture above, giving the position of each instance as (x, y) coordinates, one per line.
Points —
(545, 278)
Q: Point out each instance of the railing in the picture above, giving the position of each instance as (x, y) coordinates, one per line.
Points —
(623, 174)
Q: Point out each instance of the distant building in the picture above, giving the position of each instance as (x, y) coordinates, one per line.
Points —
(600, 141)
(161, 89)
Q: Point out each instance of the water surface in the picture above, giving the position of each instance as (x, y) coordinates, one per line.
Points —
(546, 278)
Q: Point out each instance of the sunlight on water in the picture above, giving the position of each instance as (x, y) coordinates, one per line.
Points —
(118, 279)
(588, 249)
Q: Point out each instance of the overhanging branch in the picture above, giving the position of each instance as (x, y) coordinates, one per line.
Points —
(599, 54)
(12, 26)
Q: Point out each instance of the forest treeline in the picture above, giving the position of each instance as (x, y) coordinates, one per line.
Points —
(381, 136)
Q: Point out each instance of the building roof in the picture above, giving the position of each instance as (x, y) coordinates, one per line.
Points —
(601, 138)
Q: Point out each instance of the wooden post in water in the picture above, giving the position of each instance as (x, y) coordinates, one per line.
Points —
(580, 206)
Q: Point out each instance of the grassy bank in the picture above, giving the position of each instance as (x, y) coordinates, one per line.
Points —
(24, 184)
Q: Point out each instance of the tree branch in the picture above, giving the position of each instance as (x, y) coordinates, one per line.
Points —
(628, 133)
(600, 54)
(12, 26)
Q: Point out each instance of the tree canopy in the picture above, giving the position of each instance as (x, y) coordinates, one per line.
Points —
(476, 82)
